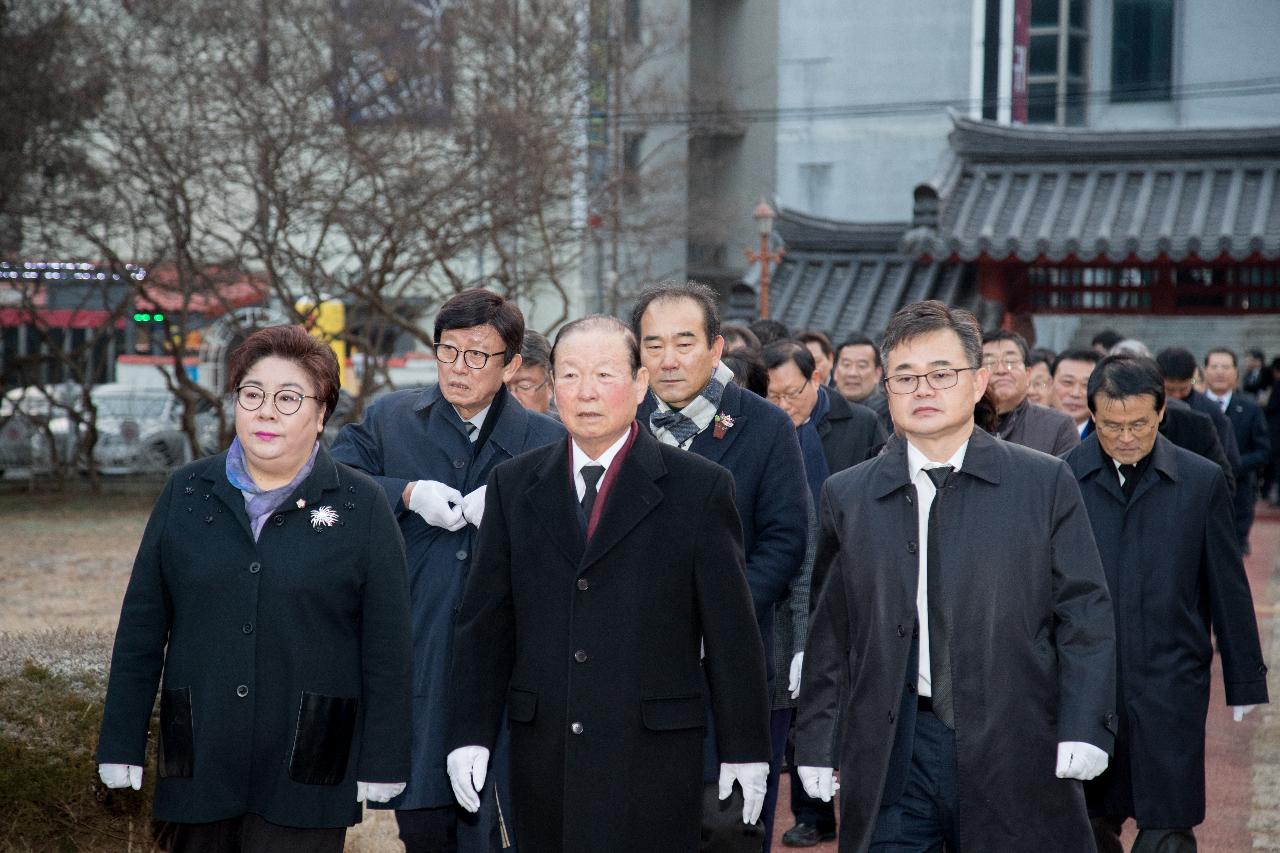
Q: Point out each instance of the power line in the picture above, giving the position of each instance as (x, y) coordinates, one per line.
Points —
(1176, 94)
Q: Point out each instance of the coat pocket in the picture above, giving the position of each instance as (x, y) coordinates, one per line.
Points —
(674, 713)
(176, 754)
(522, 705)
(322, 743)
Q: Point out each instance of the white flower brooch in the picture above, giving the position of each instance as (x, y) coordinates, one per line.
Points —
(323, 517)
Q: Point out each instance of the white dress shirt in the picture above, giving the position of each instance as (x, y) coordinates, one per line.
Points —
(580, 458)
(917, 463)
(476, 420)
(1223, 402)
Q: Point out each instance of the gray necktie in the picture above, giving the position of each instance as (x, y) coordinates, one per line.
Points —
(939, 630)
(591, 475)
(471, 430)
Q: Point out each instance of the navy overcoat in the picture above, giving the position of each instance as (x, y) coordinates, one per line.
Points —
(416, 434)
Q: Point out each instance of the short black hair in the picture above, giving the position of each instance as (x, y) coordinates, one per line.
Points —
(738, 336)
(598, 322)
(814, 336)
(770, 330)
(1041, 355)
(857, 339)
(780, 352)
(921, 318)
(1121, 376)
(702, 295)
(1106, 339)
(1256, 353)
(1222, 351)
(996, 335)
(479, 307)
(748, 370)
(1088, 355)
(1176, 363)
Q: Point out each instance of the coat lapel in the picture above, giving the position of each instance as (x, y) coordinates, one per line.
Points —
(633, 495)
(552, 497)
(323, 476)
(705, 444)
(215, 477)
(1163, 462)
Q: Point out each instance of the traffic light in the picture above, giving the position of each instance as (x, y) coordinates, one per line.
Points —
(145, 317)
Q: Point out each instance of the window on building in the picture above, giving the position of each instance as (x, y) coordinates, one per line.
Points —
(1058, 61)
(815, 183)
(631, 159)
(1142, 50)
(631, 21)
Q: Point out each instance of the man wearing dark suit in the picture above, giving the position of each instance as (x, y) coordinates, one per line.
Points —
(834, 434)
(961, 659)
(1005, 355)
(1178, 366)
(1252, 437)
(857, 376)
(1169, 583)
(1069, 379)
(431, 450)
(605, 565)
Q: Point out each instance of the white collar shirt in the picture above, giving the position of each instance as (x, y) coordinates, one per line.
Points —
(917, 464)
(580, 458)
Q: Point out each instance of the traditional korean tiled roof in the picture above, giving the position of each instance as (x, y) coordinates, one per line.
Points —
(1031, 194)
(844, 277)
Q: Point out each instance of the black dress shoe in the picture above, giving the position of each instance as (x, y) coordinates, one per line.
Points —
(806, 835)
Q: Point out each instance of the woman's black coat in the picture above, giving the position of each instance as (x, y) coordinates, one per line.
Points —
(286, 661)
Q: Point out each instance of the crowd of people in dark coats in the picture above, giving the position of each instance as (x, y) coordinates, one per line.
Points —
(637, 573)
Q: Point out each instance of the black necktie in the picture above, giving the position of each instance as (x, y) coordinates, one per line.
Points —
(591, 475)
(470, 429)
(1130, 475)
(939, 639)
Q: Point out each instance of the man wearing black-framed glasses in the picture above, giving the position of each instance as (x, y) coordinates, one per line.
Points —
(959, 666)
(432, 450)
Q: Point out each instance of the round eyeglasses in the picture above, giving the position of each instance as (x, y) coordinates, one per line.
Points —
(287, 402)
(473, 358)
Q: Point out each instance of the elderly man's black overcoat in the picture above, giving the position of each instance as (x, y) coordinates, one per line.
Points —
(594, 648)
(1033, 643)
(1174, 570)
(286, 661)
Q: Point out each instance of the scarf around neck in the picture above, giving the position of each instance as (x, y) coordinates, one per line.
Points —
(677, 428)
(259, 503)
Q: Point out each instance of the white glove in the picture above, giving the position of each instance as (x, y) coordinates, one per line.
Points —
(468, 766)
(818, 782)
(1238, 711)
(1079, 760)
(793, 680)
(438, 504)
(121, 776)
(378, 792)
(753, 778)
(473, 506)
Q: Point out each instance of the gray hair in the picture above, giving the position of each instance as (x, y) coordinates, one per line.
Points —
(1130, 346)
(600, 323)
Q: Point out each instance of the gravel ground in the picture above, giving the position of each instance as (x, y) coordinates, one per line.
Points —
(65, 562)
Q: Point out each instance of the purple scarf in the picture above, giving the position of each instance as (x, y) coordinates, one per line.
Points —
(259, 503)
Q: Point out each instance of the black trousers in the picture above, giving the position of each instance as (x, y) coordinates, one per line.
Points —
(251, 833)
(1106, 832)
(923, 820)
(722, 828)
(428, 830)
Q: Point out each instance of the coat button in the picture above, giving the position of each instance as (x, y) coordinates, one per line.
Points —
(247, 627)
(902, 632)
(242, 691)
(583, 584)
(580, 656)
(278, 519)
(208, 519)
(912, 547)
(459, 464)
(461, 555)
(576, 728)
(891, 716)
(911, 688)
(909, 500)
(254, 568)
